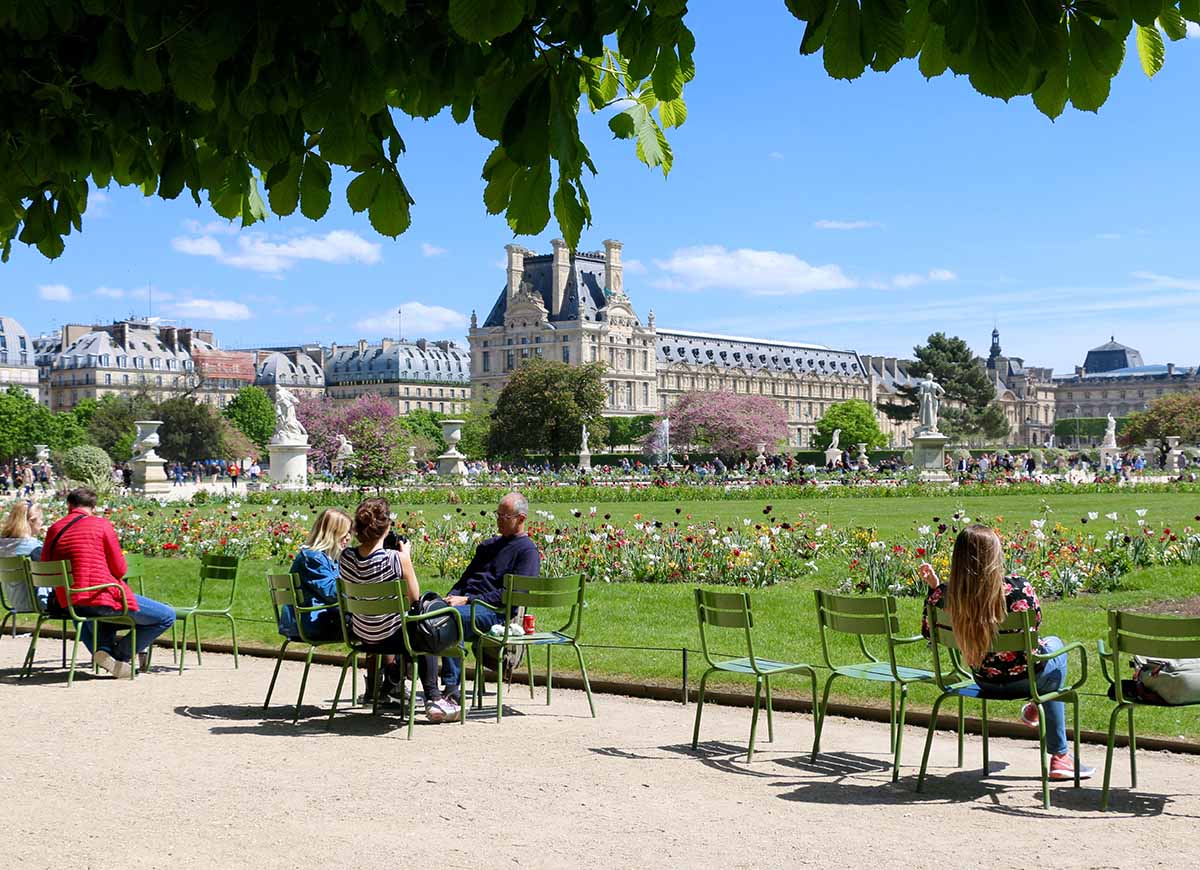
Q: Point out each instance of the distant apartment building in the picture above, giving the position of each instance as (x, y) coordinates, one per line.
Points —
(18, 366)
(429, 375)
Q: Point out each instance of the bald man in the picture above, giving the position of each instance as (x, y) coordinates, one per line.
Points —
(510, 552)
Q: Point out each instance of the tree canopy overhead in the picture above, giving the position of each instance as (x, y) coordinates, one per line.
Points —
(233, 100)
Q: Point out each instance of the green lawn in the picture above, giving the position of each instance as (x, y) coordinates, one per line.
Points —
(639, 614)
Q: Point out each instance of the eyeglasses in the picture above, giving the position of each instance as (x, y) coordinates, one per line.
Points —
(501, 516)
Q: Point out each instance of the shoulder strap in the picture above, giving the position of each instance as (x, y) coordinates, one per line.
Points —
(61, 532)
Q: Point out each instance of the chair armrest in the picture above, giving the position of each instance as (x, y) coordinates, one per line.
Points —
(474, 624)
(907, 640)
(1073, 645)
(1105, 657)
(315, 608)
(75, 590)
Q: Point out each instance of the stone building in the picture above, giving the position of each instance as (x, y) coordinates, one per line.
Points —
(572, 306)
(18, 366)
(1025, 393)
(138, 356)
(1114, 380)
(431, 375)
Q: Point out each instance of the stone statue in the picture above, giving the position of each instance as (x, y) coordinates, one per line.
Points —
(583, 439)
(1110, 433)
(929, 391)
(345, 449)
(833, 442)
(288, 430)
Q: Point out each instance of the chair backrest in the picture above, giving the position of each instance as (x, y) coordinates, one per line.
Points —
(56, 575)
(282, 588)
(135, 572)
(1015, 634)
(724, 610)
(385, 598)
(1158, 637)
(860, 616)
(217, 571)
(16, 592)
(547, 592)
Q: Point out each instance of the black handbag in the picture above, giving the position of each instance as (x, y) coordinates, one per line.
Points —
(436, 634)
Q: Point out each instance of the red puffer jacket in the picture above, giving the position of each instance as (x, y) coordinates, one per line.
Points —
(95, 554)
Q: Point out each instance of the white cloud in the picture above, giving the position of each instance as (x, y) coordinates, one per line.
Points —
(110, 292)
(428, 250)
(942, 275)
(908, 279)
(846, 225)
(760, 273)
(912, 279)
(1193, 30)
(635, 267)
(211, 228)
(419, 319)
(1155, 280)
(776, 155)
(55, 292)
(208, 309)
(262, 253)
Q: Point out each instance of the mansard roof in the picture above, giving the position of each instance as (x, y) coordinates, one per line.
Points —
(584, 296)
(1111, 356)
(16, 347)
(277, 368)
(727, 351)
(406, 361)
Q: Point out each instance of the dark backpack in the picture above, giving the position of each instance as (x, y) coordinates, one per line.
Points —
(432, 635)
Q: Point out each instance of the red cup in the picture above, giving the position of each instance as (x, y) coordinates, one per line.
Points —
(527, 623)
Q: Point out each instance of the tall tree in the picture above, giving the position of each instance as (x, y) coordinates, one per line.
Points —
(477, 425)
(726, 423)
(24, 423)
(625, 431)
(1174, 415)
(857, 422)
(190, 430)
(230, 98)
(544, 406)
(970, 407)
(427, 425)
(253, 412)
(111, 425)
(325, 419)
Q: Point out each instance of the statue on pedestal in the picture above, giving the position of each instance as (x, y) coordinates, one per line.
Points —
(288, 429)
(833, 442)
(1110, 433)
(583, 440)
(929, 392)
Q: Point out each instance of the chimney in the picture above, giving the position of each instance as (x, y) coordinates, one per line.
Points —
(562, 270)
(422, 343)
(1170, 369)
(613, 277)
(1080, 371)
(184, 337)
(169, 336)
(362, 345)
(516, 268)
(385, 343)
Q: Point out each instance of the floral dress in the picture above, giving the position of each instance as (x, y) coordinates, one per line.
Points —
(1001, 667)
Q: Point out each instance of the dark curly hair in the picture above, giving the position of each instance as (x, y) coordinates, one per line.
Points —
(372, 519)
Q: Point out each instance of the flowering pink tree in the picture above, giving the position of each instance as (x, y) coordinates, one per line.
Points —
(325, 419)
(727, 423)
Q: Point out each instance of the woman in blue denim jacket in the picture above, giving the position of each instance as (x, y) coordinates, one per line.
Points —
(21, 535)
(317, 565)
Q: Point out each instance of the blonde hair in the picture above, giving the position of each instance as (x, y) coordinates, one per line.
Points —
(18, 523)
(975, 593)
(326, 535)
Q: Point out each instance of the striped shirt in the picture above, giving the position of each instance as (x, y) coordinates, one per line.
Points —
(381, 566)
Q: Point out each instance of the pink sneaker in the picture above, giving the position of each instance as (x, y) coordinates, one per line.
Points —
(1029, 715)
(1062, 767)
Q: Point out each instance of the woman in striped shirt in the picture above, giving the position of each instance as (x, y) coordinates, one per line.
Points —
(369, 563)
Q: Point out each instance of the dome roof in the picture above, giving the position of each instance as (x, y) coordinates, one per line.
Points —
(1111, 356)
(16, 347)
(277, 368)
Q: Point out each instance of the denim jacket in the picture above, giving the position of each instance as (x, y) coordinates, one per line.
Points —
(318, 585)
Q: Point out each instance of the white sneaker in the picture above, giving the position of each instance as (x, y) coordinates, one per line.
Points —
(122, 669)
(105, 661)
(442, 710)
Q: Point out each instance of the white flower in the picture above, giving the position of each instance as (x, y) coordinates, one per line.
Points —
(274, 501)
(591, 512)
(464, 536)
(1037, 524)
(764, 541)
(727, 541)
(1141, 522)
(923, 530)
(448, 517)
(1141, 512)
(746, 521)
(1040, 535)
(549, 539)
(1092, 515)
(876, 545)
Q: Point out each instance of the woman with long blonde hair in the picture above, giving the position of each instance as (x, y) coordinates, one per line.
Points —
(979, 597)
(21, 535)
(317, 565)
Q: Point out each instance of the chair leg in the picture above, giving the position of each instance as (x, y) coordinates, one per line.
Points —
(1043, 758)
(275, 675)
(30, 654)
(1075, 735)
(74, 656)
(175, 642)
(1132, 752)
(987, 768)
(338, 693)
(758, 688)
(1108, 758)
(587, 686)
(892, 719)
(500, 683)
(462, 701)
(821, 718)
(549, 675)
(64, 640)
(699, 707)
(961, 730)
(815, 709)
(770, 717)
(10, 615)
(899, 732)
(196, 634)
(412, 696)
(133, 662)
(375, 684)
(529, 664)
(183, 642)
(303, 681)
(929, 739)
(233, 629)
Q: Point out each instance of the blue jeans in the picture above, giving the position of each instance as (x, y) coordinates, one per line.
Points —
(1052, 678)
(152, 619)
(484, 619)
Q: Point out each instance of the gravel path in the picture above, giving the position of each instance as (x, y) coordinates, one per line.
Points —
(189, 772)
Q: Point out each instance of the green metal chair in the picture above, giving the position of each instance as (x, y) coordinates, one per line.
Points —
(285, 592)
(57, 575)
(385, 599)
(731, 610)
(863, 616)
(15, 574)
(1157, 637)
(1015, 634)
(214, 571)
(135, 578)
(530, 593)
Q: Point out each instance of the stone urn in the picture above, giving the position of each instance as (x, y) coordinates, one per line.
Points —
(148, 474)
(41, 452)
(860, 458)
(452, 463)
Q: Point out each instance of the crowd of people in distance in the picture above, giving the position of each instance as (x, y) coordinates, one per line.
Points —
(23, 478)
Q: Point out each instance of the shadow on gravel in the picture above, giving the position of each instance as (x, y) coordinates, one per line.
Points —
(48, 677)
(349, 721)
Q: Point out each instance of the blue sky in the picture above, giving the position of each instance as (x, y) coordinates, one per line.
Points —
(861, 215)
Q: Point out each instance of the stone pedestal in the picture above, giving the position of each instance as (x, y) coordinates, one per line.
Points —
(929, 456)
(585, 460)
(1175, 459)
(833, 456)
(412, 457)
(452, 463)
(148, 474)
(289, 465)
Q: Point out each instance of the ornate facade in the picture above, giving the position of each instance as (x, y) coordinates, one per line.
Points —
(18, 366)
(1026, 393)
(1114, 380)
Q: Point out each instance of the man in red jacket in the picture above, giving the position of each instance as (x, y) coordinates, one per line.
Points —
(90, 544)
